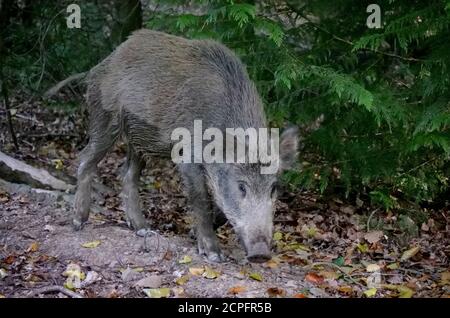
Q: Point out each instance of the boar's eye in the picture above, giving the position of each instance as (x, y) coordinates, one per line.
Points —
(242, 189)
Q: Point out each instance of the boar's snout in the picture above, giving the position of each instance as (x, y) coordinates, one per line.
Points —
(259, 253)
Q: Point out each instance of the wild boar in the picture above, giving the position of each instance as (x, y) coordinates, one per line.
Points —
(154, 83)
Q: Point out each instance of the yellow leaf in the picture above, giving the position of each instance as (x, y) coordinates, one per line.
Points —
(210, 273)
(185, 260)
(256, 276)
(373, 268)
(92, 244)
(410, 253)
(277, 236)
(182, 280)
(157, 292)
(370, 292)
(58, 164)
(363, 248)
(393, 266)
(2, 296)
(405, 292)
(33, 247)
(196, 271)
(74, 276)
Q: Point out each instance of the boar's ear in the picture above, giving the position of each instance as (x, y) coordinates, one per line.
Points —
(288, 148)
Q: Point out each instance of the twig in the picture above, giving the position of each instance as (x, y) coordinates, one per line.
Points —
(8, 113)
(370, 218)
(59, 289)
(338, 268)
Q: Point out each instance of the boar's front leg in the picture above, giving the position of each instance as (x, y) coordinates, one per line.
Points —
(198, 199)
(130, 191)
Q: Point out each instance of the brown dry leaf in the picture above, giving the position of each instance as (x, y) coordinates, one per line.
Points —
(33, 247)
(410, 253)
(276, 292)
(329, 274)
(345, 289)
(196, 271)
(272, 263)
(445, 278)
(299, 295)
(314, 278)
(236, 290)
(373, 237)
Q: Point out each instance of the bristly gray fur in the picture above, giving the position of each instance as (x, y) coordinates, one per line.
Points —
(150, 85)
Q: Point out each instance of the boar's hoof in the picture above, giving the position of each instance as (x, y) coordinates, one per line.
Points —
(77, 225)
(213, 255)
(145, 232)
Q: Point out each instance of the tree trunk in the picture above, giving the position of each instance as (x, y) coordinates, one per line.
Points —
(128, 17)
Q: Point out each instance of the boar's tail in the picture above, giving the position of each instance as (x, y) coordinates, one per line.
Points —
(55, 89)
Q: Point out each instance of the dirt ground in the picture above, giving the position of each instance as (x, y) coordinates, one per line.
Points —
(323, 246)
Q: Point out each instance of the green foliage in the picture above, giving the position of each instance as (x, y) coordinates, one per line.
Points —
(384, 92)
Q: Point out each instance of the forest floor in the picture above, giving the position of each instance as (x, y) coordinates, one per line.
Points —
(323, 246)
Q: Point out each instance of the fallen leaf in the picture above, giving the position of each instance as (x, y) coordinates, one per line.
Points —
(182, 280)
(2, 296)
(275, 292)
(373, 268)
(236, 290)
(445, 278)
(157, 292)
(339, 261)
(363, 248)
(58, 164)
(345, 289)
(314, 278)
(151, 281)
(374, 236)
(272, 263)
(277, 236)
(393, 266)
(92, 244)
(300, 295)
(74, 276)
(256, 276)
(185, 260)
(196, 271)
(370, 292)
(329, 275)
(91, 277)
(210, 273)
(33, 247)
(409, 253)
(405, 292)
(178, 292)
(3, 273)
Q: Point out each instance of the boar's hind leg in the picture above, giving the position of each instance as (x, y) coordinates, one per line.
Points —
(130, 192)
(103, 133)
(200, 204)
